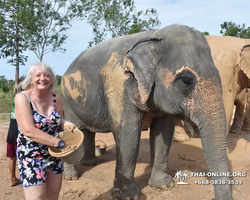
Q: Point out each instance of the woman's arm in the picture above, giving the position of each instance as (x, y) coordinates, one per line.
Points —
(26, 123)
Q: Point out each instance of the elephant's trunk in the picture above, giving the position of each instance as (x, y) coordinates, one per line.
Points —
(209, 115)
(214, 145)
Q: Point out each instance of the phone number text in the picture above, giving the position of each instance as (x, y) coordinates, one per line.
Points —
(218, 182)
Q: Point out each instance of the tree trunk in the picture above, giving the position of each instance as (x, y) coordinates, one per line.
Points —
(17, 57)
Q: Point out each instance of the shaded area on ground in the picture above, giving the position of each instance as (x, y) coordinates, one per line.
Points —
(95, 183)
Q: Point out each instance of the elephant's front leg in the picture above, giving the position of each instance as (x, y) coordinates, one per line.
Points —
(127, 139)
(89, 158)
(70, 172)
(161, 135)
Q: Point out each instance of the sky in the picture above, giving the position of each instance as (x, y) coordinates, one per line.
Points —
(198, 14)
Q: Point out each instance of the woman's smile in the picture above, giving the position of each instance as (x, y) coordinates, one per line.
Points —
(41, 79)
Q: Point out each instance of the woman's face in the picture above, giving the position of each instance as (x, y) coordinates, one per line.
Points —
(41, 80)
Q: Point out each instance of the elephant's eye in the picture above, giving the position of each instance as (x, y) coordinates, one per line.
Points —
(186, 81)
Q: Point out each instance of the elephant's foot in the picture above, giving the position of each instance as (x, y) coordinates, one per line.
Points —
(89, 161)
(235, 131)
(70, 172)
(180, 137)
(245, 128)
(126, 191)
(161, 181)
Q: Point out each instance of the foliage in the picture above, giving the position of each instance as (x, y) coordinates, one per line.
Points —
(15, 15)
(58, 79)
(232, 29)
(149, 21)
(114, 17)
(205, 33)
(48, 33)
(6, 104)
(5, 85)
(36, 25)
(6, 94)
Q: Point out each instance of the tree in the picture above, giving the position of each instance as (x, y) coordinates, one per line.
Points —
(36, 25)
(48, 33)
(205, 33)
(115, 18)
(14, 16)
(149, 21)
(231, 29)
(5, 85)
(58, 80)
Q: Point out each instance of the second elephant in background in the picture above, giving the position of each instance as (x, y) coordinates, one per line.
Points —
(241, 121)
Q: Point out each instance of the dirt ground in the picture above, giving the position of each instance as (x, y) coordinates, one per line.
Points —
(95, 183)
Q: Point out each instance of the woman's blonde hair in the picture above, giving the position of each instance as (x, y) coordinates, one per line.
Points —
(26, 83)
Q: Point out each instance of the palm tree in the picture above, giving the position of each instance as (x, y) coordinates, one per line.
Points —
(178, 175)
(185, 176)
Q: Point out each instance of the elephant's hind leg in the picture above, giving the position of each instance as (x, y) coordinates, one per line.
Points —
(89, 158)
(161, 135)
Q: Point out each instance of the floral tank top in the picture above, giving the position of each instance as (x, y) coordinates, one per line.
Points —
(49, 124)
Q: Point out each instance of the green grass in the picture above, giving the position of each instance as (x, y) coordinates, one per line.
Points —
(5, 105)
(4, 116)
(4, 119)
(6, 100)
(5, 109)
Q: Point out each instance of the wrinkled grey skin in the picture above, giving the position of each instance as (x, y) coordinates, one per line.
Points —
(241, 121)
(241, 116)
(131, 83)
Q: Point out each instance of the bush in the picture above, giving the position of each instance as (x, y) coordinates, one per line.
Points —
(6, 100)
(3, 96)
(5, 104)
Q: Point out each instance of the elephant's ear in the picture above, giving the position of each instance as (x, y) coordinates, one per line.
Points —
(141, 60)
(245, 59)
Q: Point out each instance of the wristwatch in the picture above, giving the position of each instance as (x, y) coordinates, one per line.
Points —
(60, 144)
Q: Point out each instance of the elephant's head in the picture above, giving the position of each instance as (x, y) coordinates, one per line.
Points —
(176, 75)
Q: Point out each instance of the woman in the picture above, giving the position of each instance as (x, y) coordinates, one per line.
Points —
(39, 114)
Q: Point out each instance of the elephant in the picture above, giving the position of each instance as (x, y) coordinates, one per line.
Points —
(231, 56)
(241, 120)
(131, 83)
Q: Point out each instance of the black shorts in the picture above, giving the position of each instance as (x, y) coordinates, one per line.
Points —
(13, 132)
